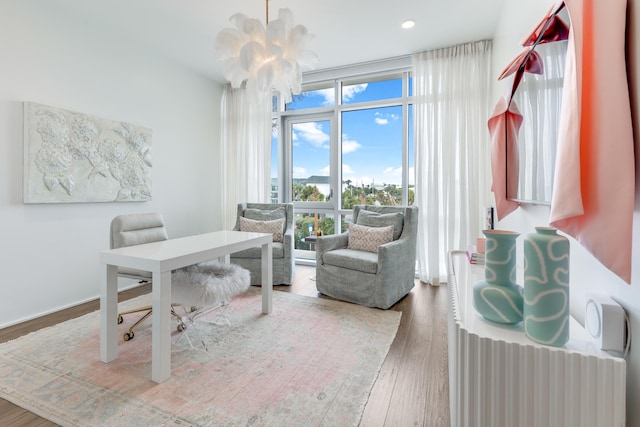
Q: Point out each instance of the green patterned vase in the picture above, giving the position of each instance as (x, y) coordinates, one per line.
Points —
(498, 298)
(546, 287)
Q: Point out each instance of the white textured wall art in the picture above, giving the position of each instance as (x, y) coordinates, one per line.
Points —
(72, 157)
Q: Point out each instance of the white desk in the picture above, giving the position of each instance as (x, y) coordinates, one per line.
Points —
(160, 258)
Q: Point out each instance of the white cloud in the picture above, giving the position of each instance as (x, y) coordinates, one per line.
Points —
(347, 170)
(325, 170)
(392, 175)
(328, 95)
(312, 133)
(348, 145)
(383, 119)
(348, 92)
(300, 172)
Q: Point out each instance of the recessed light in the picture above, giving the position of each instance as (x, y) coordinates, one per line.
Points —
(409, 23)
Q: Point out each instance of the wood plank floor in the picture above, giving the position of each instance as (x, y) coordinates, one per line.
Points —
(412, 388)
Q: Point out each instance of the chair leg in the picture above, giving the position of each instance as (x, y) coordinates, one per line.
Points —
(189, 321)
(204, 310)
(130, 334)
(221, 317)
(137, 310)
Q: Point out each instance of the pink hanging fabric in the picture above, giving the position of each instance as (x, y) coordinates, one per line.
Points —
(593, 192)
(551, 29)
(504, 125)
(528, 61)
(506, 120)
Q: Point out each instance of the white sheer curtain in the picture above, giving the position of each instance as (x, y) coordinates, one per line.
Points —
(451, 88)
(539, 99)
(246, 151)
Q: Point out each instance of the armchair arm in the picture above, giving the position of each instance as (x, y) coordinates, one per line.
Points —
(397, 256)
(330, 243)
(287, 240)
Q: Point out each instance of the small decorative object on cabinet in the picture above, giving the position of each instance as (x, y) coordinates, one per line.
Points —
(546, 287)
(498, 298)
(499, 377)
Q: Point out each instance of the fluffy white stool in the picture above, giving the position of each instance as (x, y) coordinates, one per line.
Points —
(205, 287)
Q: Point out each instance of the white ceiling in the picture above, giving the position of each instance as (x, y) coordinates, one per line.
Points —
(347, 31)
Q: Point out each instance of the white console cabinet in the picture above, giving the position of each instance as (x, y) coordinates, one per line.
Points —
(498, 377)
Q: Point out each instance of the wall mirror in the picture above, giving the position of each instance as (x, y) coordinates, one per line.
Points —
(538, 97)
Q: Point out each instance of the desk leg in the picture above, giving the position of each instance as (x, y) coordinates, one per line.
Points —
(109, 314)
(161, 327)
(267, 279)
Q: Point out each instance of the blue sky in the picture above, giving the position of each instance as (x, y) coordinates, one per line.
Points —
(371, 139)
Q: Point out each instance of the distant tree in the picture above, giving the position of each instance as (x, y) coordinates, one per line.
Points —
(310, 193)
(349, 199)
(327, 226)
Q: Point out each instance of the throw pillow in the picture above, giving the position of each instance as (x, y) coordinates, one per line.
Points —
(368, 238)
(375, 219)
(274, 227)
(266, 215)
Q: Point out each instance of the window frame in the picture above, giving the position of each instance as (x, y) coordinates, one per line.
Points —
(282, 116)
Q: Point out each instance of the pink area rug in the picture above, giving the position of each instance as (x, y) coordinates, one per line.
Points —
(311, 362)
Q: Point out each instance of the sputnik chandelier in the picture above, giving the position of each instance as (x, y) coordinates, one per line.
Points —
(270, 58)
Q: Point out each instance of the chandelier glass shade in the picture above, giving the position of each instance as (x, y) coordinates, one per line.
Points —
(267, 59)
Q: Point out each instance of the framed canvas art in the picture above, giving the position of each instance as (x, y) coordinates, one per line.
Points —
(71, 157)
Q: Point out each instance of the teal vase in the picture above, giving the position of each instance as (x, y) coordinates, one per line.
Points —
(546, 287)
(498, 298)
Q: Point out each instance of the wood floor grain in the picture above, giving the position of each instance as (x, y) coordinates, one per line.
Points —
(412, 388)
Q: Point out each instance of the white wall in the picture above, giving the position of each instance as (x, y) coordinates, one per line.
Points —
(587, 274)
(49, 252)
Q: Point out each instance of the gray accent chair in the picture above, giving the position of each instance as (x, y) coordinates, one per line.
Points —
(282, 253)
(367, 278)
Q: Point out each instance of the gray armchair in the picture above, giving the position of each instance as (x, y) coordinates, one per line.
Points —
(282, 252)
(368, 278)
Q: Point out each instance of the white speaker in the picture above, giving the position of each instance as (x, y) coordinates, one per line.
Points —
(604, 321)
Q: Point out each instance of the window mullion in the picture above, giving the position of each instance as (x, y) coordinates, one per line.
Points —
(405, 139)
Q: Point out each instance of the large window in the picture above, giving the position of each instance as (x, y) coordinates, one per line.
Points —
(371, 158)
(340, 143)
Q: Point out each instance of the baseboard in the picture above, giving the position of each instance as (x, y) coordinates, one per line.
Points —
(132, 285)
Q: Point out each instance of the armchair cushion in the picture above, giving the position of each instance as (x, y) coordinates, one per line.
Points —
(375, 219)
(275, 227)
(366, 262)
(266, 215)
(368, 238)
